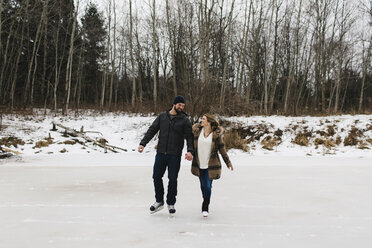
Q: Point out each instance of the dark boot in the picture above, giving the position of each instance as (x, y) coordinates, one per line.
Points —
(205, 205)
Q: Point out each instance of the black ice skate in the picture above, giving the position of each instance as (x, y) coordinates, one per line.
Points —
(157, 206)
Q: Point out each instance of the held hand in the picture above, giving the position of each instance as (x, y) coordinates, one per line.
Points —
(140, 148)
(188, 156)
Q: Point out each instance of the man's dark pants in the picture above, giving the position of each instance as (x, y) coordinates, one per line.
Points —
(162, 162)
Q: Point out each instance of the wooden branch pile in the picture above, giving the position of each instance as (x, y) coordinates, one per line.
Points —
(6, 153)
(81, 134)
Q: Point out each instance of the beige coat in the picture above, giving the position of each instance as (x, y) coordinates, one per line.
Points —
(214, 165)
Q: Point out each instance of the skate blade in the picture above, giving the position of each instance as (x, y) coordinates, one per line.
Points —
(156, 210)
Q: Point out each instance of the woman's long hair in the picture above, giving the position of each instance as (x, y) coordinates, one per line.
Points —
(213, 121)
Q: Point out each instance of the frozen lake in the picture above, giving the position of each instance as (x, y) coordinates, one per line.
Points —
(102, 200)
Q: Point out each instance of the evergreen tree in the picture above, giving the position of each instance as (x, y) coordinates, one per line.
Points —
(93, 35)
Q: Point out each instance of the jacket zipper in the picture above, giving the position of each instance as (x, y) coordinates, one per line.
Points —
(166, 147)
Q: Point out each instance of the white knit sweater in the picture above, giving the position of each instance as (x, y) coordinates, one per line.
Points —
(204, 149)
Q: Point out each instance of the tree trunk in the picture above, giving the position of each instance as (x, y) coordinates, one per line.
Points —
(171, 45)
(204, 23)
(38, 35)
(16, 65)
(366, 59)
(224, 74)
(154, 42)
(131, 55)
(69, 61)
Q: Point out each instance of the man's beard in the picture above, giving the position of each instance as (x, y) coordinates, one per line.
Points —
(178, 111)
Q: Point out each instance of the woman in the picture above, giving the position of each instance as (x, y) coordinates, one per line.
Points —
(208, 140)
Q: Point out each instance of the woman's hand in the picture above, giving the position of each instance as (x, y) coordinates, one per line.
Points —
(188, 156)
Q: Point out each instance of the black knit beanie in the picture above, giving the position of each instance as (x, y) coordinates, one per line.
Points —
(179, 99)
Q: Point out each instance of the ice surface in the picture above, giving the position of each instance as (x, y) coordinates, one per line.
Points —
(103, 200)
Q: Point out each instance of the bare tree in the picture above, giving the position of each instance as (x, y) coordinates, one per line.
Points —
(204, 23)
(154, 50)
(113, 57)
(69, 60)
(366, 60)
(224, 74)
(132, 54)
(171, 46)
(16, 65)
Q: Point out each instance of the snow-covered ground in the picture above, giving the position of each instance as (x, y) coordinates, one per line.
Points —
(126, 130)
(292, 196)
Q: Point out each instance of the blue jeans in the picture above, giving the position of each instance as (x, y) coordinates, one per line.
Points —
(205, 183)
(162, 162)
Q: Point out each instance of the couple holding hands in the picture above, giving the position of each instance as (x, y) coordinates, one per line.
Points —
(204, 141)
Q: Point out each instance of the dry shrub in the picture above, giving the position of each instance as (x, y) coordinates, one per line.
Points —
(329, 143)
(321, 133)
(331, 130)
(233, 140)
(102, 141)
(278, 133)
(363, 145)
(63, 150)
(41, 143)
(295, 127)
(338, 140)
(11, 141)
(269, 142)
(352, 138)
(302, 139)
(49, 140)
(318, 141)
(369, 127)
(369, 141)
(69, 142)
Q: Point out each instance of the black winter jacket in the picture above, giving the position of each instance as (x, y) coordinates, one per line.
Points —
(172, 133)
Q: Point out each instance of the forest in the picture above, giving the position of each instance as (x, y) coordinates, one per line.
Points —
(231, 57)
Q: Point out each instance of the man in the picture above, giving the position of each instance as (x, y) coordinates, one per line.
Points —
(174, 126)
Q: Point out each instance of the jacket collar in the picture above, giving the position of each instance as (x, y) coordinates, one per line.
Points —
(216, 133)
(179, 115)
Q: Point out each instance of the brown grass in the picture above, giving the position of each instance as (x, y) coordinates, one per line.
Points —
(41, 143)
(11, 141)
(369, 127)
(233, 140)
(302, 138)
(363, 145)
(69, 142)
(329, 143)
(352, 138)
(269, 142)
(278, 133)
(338, 140)
(331, 130)
(102, 141)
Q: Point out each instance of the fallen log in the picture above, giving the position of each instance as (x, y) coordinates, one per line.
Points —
(12, 151)
(87, 138)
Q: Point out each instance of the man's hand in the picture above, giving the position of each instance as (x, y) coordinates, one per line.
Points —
(140, 148)
(188, 156)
